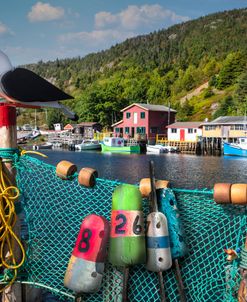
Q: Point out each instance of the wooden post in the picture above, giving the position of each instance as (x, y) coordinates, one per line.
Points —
(8, 135)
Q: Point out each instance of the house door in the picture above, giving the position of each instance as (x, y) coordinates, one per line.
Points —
(182, 135)
(132, 131)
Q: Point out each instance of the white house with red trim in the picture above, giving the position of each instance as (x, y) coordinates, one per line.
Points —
(184, 131)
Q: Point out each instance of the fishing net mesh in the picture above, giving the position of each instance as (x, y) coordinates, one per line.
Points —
(54, 210)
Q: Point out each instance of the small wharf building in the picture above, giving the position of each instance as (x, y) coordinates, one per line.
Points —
(224, 128)
(74, 134)
(184, 131)
(86, 129)
(183, 135)
(144, 121)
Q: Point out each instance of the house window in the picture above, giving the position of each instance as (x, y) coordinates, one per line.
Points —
(211, 127)
(128, 114)
(195, 130)
(174, 130)
(141, 130)
(190, 130)
(238, 127)
(117, 130)
(142, 114)
(127, 130)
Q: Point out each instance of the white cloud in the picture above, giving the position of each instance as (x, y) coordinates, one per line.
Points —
(45, 12)
(110, 29)
(104, 18)
(134, 17)
(96, 37)
(4, 30)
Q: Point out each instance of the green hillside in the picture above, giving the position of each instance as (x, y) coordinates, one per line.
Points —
(161, 68)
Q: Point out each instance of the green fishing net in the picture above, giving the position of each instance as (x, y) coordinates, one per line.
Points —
(54, 209)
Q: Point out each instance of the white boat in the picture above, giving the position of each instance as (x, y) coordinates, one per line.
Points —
(44, 146)
(156, 149)
(89, 144)
(170, 149)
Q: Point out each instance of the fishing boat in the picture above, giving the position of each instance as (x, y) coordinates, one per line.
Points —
(118, 144)
(89, 144)
(238, 148)
(47, 145)
(157, 149)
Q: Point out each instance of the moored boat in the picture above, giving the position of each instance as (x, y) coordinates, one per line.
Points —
(157, 149)
(117, 144)
(236, 149)
(47, 145)
(89, 144)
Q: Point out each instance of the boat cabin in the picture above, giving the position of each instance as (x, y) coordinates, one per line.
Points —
(113, 141)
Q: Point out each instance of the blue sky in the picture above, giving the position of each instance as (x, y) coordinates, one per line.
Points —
(45, 30)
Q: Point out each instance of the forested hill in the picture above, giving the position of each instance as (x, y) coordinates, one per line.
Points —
(162, 67)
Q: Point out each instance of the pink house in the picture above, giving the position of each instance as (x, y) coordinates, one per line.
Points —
(145, 120)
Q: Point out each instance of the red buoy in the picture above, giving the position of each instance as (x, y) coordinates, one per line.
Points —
(86, 265)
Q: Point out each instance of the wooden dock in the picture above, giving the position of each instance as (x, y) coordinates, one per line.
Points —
(65, 138)
(190, 147)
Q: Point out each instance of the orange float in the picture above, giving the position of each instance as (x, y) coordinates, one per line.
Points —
(87, 177)
(222, 193)
(239, 193)
(161, 184)
(65, 169)
(145, 186)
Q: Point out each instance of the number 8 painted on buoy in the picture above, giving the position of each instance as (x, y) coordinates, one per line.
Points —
(85, 269)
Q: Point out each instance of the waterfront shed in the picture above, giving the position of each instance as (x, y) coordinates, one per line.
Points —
(86, 129)
(225, 127)
(89, 128)
(144, 120)
(184, 131)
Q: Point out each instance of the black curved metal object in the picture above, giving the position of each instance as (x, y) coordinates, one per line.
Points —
(26, 86)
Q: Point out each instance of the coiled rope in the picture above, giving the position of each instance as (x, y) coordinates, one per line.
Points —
(9, 241)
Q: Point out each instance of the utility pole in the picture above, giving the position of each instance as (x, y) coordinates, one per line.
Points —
(169, 112)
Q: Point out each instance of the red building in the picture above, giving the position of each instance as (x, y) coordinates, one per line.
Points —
(145, 120)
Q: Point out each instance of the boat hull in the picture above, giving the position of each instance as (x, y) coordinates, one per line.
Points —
(128, 149)
(88, 147)
(154, 149)
(234, 150)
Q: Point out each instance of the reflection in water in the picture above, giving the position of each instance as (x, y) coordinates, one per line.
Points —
(184, 171)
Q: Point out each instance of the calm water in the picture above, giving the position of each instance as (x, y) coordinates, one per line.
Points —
(184, 171)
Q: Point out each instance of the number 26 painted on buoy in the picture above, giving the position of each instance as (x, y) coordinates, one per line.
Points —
(127, 223)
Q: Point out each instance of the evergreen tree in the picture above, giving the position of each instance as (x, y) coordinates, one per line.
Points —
(241, 94)
(233, 65)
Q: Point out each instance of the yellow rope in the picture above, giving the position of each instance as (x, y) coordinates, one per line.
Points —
(23, 152)
(9, 242)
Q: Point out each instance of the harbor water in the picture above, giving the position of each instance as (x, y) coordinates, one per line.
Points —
(182, 170)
